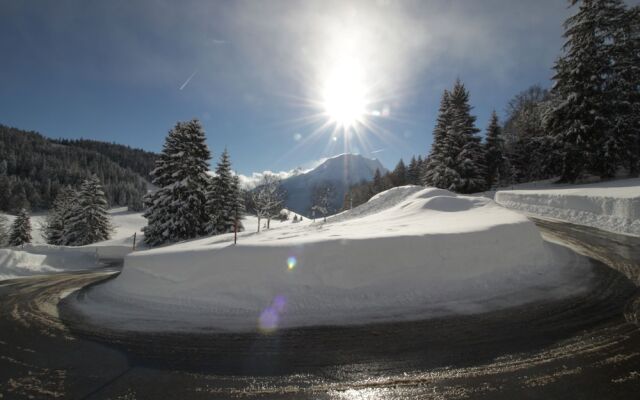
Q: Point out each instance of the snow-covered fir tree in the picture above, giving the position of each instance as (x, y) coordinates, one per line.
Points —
(495, 161)
(529, 149)
(4, 230)
(594, 81)
(624, 83)
(222, 198)
(90, 222)
(20, 229)
(413, 172)
(464, 149)
(434, 173)
(456, 161)
(239, 206)
(56, 227)
(177, 211)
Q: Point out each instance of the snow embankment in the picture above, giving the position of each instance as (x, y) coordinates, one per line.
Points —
(612, 206)
(409, 253)
(39, 258)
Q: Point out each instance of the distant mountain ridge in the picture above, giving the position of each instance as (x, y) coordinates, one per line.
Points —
(341, 171)
(33, 168)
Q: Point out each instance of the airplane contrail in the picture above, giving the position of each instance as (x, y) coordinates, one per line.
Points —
(188, 80)
(377, 151)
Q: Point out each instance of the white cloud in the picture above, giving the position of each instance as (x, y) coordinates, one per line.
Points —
(250, 181)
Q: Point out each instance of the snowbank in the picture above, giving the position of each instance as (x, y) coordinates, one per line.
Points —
(39, 258)
(612, 206)
(408, 253)
(19, 263)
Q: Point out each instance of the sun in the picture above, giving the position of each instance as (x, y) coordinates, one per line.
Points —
(344, 94)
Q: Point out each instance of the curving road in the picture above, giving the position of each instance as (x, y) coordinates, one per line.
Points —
(586, 346)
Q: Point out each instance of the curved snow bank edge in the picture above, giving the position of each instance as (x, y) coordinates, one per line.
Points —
(566, 274)
(614, 214)
(15, 263)
(43, 259)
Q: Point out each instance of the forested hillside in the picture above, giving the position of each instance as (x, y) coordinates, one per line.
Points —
(34, 168)
(137, 160)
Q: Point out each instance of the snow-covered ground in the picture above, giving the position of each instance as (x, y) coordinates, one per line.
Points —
(39, 258)
(612, 206)
(408, 253)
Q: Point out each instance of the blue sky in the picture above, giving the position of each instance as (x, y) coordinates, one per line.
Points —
(255, 72)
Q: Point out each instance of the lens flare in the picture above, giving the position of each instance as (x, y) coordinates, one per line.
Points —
(279, 303)
(269, 318)
(291, 263)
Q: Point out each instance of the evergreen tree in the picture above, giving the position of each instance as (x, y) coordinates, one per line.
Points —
(90, 222)
(624, 95)
(177, 211)
(222, 198)
(4, 230)
(456, 161)
(239, 199)
(621, 90)
(464, 150)
(399, 174)
(531, 152)
(435, 171)
(420, 165)
(584, 121)
(56, 229)
(413, 172)
(21, 229)
(495, 160)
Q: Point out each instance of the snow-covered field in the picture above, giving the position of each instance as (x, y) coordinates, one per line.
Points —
(612, 206)
(408, 253)
(39, 258)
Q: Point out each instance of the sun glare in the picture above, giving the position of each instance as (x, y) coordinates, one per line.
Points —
(344, 94)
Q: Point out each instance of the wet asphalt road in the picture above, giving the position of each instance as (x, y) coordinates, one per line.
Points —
(586, 347)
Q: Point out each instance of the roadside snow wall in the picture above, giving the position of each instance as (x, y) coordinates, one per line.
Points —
(611, 206)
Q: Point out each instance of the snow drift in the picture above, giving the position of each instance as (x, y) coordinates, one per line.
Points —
(408, 253)
(612, 206)
(39, 258)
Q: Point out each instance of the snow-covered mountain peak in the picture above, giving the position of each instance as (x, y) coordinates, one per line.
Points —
(341, 171)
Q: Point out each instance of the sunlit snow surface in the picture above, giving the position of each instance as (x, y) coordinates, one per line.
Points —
(408, 253)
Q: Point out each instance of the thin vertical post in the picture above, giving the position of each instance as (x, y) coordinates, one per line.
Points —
(235, 227)
(134, 240)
